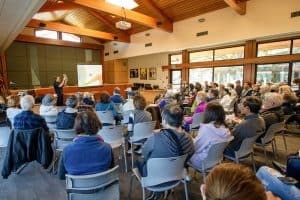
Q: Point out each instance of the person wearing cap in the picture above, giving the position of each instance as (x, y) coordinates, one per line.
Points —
(47, 107)
(66, 118)
(116, 97)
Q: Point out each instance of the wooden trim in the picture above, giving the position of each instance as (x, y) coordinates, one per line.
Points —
(57, 6)
(151, 5)
(75, 30)
(4, 69)
(32, 39)
(238, 6)
(137, 17)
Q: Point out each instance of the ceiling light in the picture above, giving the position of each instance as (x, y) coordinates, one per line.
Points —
(128, 4)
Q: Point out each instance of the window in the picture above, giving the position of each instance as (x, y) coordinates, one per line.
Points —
(295, 74)
(274, 73)
(176, 80)
(274, 48)
(224, 75)
(176, 59)
(229, 53)
(46, 34)
(70, 37)
(200, 75)
(296, 46)
(201, 56)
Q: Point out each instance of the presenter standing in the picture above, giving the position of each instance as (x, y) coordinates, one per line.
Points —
(58, 87)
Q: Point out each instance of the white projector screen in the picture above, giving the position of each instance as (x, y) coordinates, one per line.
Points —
(89, 75)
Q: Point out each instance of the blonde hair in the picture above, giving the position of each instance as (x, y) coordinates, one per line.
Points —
(230, 181)
(285, 89)
(13, 101)
(272, 100)
(202, 95)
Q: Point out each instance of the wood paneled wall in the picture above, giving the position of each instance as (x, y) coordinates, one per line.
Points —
(116, 71)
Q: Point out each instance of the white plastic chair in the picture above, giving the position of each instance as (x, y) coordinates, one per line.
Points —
(246, 150)
(126, 116)
(163, 174)
(141, 131)
(269, 138)
(50, 120)
(104, 185)
(214, 157)
(106, 117)
(113, 135)
(197, 118)
(11, 122)
(4, 137)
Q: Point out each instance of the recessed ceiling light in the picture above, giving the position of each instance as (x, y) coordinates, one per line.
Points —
(128, 4)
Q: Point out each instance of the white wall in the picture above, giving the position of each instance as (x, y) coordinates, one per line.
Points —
(264, 18)
(147, 61)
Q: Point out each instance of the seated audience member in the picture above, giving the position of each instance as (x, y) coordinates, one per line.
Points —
(227, 101)
(238, 88)
(206, 86)
(191, 87)
(66, 118)
(27, 119)
(234, 182)
(116, 97)
(87, 154)
(271, 110)
(198, 87)
(264, 90)
(88, 99)
(274, 88)
(201, 101)
(171, 141)
(271, 182)
(297, 82)
(251, 125)
(255, 90)
(106, 105)
(247, 91)
(213, 95)
(13, 107)
(138, 115)
(222, 91)
(289, 103)
(180, 96)
(212, 130)
(231, 89)
(129, 103)
(168, 98)
(285, 89)
(47, 107)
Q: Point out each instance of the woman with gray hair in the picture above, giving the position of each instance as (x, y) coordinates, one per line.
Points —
(47, 107)
(66, 118)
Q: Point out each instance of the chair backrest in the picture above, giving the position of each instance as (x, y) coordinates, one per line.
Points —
(119, 107)
(272, 130)
(106, 117)
(246, 146)
(63, 137)
(215, 154)
(154, 110)
(197, 118)
(112, 135)
(156, 175)
(142, 130)
(4, 136)
(12, 120)
(50, 118)
(104, 185)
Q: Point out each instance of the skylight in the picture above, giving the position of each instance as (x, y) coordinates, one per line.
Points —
(128, 4)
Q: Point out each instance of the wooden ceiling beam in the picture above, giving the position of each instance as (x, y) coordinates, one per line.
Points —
(57, 6)
(78, 31)
(151, 5)
(106, 21)
(101, 5)
(238, 6)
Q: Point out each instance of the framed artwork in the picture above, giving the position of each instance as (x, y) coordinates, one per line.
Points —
(143, 73)
(134, 73)
(152, 73)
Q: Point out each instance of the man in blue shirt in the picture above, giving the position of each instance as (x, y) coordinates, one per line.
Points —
(117, 98)
(27, 119)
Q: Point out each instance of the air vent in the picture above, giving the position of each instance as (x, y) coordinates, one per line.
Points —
(148, 44)
(201, 20)
(147, 34)
(295, 14)
(115, 44)
(106, 54)
(115, 52)
(202, 33)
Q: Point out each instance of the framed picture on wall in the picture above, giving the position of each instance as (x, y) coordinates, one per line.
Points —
(143, 73)
(152, 73)
(134, 73)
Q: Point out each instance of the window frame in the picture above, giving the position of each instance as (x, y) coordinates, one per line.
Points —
(39, 29)
(61, 34)
(174, 54)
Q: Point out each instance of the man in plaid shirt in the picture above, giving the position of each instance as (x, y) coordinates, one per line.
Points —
(27, 119)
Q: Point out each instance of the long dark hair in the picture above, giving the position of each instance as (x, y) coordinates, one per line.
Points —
(214, 112)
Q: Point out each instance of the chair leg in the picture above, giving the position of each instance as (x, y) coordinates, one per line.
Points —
(253, 162)
(186, 190)
(144, 195)
(273, 148)
(130, 186)
(125, 158)
(285, 145)
(132, 154)
(265, 154)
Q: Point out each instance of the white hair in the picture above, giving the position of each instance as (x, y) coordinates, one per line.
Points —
(27, 102)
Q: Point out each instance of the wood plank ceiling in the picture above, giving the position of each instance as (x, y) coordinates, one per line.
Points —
(94, 15)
